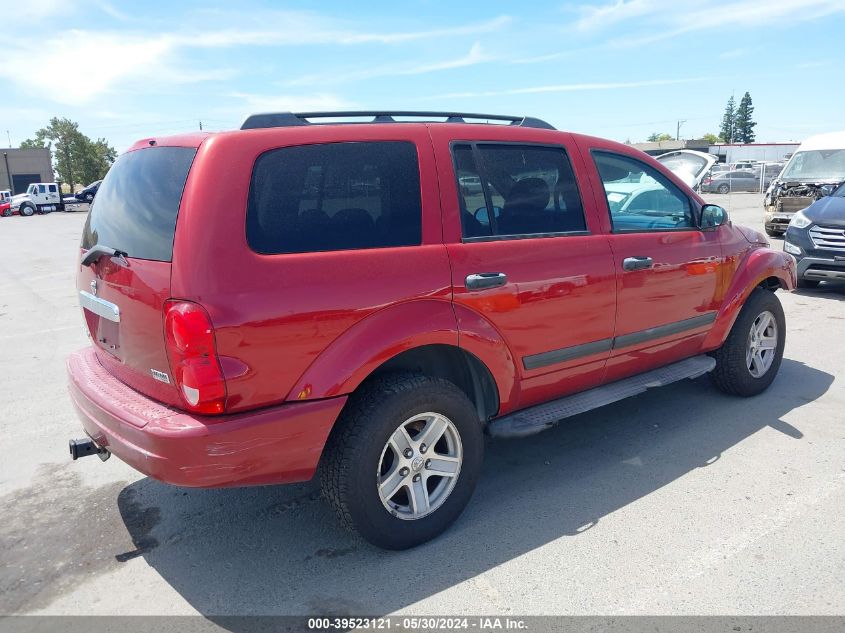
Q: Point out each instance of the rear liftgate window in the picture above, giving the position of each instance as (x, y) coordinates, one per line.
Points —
(136, 206)
(335, 196)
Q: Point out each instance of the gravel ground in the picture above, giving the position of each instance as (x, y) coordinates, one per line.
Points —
(679, 501)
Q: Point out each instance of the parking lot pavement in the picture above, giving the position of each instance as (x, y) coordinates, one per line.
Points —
(679, 501)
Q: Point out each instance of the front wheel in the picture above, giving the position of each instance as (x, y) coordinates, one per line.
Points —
(27, 209)
(403, 460)
(723, 189)
(7, 213)
(749, 360)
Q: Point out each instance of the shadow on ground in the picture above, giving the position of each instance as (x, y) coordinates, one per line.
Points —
(826, 290)
(279, 549)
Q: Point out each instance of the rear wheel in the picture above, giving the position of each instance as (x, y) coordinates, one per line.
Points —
(403, 460)
(723, 189)
(27, 209)
(7, 213)
(749, 360)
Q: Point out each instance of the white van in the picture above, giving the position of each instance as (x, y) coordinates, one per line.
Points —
(816, 168)
(40, 196)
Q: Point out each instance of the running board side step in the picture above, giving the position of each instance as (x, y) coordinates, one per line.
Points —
(544, 416)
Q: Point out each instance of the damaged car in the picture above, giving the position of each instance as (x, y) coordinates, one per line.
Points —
(815, 170)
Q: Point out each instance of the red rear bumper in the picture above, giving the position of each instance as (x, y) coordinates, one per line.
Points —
(280, 444)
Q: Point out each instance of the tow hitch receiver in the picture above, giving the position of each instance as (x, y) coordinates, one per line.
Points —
(86, 447)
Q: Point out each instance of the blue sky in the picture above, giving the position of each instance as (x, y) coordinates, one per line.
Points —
(615, 68)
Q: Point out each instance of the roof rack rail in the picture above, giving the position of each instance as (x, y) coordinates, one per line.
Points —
(290, 119)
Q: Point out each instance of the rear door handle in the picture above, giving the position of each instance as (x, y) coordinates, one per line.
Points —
(637, 263)
(482, 281)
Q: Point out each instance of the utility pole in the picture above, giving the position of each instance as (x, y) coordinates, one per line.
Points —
(678, 129)
(9, 138)
(8, 172)
(200, 126)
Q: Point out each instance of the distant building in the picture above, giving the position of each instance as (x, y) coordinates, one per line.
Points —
(25, 166)
(661, 147)
(749, 152)
(727, 152)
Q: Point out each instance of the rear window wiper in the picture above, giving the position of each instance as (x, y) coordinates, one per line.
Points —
(94, 254)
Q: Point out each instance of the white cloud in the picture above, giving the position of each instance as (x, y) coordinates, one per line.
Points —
(31, 11)
(473, 57)
(579, 87)
(664, 19)
(734, 53)
(102, 57)
(291, 28)
(596, 17)
(111, 57)
(254, 103)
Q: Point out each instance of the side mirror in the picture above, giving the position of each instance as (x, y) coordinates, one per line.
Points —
(712, 215)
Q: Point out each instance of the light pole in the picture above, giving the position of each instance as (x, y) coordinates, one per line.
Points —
(8, 172)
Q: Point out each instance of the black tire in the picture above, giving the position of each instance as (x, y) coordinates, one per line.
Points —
(7, 213)
(808, 283)
(355, 447)
(723, 189)
(27, 209)
(732, 374)
(773, 232)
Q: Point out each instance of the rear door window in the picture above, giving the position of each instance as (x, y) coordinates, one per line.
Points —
(136, 206)
(335, 196)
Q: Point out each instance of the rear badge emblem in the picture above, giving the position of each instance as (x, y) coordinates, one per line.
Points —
(160, 376)
(94, 287)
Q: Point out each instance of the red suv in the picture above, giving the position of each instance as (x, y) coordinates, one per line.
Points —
(367, 300)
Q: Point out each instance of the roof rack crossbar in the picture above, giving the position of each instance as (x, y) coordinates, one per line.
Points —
(290, 119)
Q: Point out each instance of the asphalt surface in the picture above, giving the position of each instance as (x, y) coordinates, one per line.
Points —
(679, 501)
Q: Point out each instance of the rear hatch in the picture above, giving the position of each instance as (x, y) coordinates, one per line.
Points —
(122, 296)
(688, 165)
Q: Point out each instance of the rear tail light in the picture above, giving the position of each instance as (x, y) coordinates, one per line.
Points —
(192, 353)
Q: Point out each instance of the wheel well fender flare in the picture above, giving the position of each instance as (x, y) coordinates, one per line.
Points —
(373, 342)
(762, 267)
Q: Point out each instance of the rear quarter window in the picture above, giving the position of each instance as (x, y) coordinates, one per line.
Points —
(136, 205)
(335, 196)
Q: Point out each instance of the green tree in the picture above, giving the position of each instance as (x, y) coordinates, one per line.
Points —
(744, 123)
(727, 129)
(77, 158)
(712, 138)
(660, 136)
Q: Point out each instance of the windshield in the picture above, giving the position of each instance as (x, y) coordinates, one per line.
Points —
(819, 164)
(136, 206)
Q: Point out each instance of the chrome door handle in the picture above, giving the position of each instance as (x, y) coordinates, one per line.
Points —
(482, 281)
(637, 263)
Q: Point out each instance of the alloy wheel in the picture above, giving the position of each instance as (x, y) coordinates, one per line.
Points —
(419, 466)
(762, 344)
